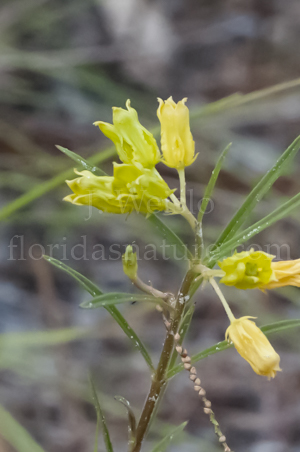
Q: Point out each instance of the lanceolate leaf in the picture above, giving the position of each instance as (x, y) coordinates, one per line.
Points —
(131, 419)
(164, 443)
(277, 214)
(212, 182)
(16, 435)
(258, 192)
(81, 161)
(113, 298)
(224, 345)
(92, 289)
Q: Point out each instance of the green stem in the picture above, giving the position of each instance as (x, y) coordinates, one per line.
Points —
(181, 174)
(222, 298)
(159, 380)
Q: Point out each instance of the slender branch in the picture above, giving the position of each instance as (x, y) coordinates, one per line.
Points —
(159, 380)
(151, 290)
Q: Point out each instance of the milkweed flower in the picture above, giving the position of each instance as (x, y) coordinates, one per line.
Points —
(177, 144)
(89, 189)
(248, 269)
(134, 143)
(131, 188)
(253, 346)
(255, 269)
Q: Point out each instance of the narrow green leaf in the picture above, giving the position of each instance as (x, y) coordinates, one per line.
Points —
(92, 289)
(85, 283)
(164, 443)
(258, 192)
(81, 161)
(277, 214)
(100, 420)
(131, 420)
(113, 298)
(16, 435)
(170, 237)
(271, 328)
(212, 182)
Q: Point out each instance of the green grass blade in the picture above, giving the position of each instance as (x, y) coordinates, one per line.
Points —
(238, 99)
(113, 298)
(101, 421)
(259, 191)
(212, 182)
(94, 290)
(170, 236)
(277, 214)
(43, 338)
(271, 328)
(16, 435)
(164, 443)
(81, 161)
(49, 185)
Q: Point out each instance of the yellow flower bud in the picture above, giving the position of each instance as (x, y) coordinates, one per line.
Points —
(130, 265)
(248, 270)
(253, 346)
(134, 143)
(177, 144)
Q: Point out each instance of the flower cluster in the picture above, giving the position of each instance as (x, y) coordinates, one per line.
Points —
(136, 184)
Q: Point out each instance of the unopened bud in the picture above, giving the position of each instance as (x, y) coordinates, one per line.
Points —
(130, 265)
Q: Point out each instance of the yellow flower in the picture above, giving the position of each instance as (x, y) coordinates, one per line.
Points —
(248, 270)
(133, 142)
(131, 188)
(253, 346)
(177, 144)
(255, 269)
(287, 273)
(94, 191)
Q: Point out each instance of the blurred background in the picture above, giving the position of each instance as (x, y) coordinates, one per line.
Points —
(63, 65)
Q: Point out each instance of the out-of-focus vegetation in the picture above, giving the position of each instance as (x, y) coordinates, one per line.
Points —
(63, 65)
